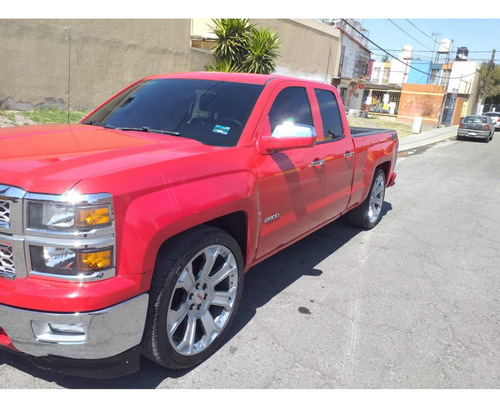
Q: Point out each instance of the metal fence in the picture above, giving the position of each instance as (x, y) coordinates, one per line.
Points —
(381, 101)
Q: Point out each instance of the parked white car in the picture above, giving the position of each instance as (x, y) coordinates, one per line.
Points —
(495, 119)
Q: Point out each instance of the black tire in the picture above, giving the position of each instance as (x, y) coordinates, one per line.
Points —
(369, 213)
(170, 298)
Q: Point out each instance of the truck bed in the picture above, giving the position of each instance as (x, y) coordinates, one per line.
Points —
(357, 131)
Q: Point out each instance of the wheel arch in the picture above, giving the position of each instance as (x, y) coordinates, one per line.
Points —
(235, 224)
(386, 168)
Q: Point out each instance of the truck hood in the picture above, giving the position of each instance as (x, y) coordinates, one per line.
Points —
(53, 158)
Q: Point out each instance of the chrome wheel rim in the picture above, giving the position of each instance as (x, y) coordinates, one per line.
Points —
(202, 301)
(376, 198)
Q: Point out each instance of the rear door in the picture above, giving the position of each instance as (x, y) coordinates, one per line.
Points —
(337, 150)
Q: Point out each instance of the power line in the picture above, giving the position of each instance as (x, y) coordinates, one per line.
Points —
(413, 38)
(423, 59)
(421, 31)
(470, 52)
(397, 59)
(380, 48)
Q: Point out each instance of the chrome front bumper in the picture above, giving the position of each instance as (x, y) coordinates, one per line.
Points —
(107, 332)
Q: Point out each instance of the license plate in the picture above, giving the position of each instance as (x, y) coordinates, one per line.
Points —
(472, 133)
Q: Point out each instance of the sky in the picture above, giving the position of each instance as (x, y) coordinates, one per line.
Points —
(480, 36)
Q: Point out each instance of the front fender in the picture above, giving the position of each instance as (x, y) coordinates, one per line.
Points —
(153, 218)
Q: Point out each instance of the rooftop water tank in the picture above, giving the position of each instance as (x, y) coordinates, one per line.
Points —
(444, 46)
(462, 54)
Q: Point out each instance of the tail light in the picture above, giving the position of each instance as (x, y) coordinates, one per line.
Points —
(461, 125)
(486, 127)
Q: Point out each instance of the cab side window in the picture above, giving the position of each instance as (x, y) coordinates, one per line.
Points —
(330, 114)
(291, 104)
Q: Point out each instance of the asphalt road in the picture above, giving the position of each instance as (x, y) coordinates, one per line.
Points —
(413, 303)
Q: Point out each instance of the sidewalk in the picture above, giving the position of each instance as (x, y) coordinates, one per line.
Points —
(426, 138)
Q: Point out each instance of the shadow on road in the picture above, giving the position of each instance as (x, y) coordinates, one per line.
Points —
(262, 283)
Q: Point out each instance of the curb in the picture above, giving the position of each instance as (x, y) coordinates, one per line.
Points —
(427, 141)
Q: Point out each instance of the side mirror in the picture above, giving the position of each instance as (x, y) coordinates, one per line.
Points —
(287, 136)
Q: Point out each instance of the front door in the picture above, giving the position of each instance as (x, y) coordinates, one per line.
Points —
(291, 181)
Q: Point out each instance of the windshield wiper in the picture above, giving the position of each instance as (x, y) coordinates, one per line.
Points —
(149, 130)
(95, 123)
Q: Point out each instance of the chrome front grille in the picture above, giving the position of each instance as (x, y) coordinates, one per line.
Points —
(6, 261)
(12, 257)
(4, 213)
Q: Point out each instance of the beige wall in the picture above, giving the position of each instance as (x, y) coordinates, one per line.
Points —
(106, 55)
(306, 46)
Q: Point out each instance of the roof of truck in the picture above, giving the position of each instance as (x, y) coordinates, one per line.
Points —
(259, 79)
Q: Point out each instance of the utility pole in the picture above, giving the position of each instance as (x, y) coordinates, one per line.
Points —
(328, 64)
(433, 34)
(491, 65)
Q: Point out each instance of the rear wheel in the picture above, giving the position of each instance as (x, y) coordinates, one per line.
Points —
(195, 293)
(369, 213)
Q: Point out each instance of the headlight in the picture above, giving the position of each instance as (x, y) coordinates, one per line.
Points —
(70, 236)
(56, 216)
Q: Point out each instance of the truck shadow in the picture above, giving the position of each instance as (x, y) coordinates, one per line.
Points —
(270, 277)
(262, 283)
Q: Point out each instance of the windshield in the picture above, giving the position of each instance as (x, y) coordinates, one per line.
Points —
(475, 119)
(212, 112)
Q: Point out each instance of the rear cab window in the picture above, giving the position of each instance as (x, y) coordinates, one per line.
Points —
(330, 115)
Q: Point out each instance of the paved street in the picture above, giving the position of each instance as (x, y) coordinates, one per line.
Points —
(414, 303)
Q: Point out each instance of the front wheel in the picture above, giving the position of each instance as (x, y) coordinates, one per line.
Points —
(369, 213)
(195, 293)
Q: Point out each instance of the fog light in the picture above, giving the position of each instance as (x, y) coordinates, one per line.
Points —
(70, 261)
(67, 333)
(94, 261)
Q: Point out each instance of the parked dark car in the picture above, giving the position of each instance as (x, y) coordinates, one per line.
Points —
(477, 127)
(495, 119)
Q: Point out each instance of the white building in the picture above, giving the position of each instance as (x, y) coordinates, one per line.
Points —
(463, 77)
(401, 66)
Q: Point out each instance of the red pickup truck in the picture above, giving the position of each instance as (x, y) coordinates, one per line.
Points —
(130, 232)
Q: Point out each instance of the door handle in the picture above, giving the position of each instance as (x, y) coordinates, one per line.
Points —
(348, 154)
(317, 163)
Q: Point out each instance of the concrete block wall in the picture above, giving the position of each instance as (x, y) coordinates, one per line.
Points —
(41, 59)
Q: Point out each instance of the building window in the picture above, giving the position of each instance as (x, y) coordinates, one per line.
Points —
(434, 78)
(445, 78)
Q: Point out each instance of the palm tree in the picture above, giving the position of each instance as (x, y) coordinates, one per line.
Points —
(240, 47)
(263, 50)
(232, 42)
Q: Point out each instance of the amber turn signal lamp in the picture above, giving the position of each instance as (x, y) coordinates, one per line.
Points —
(93, 261)
(87, 217)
